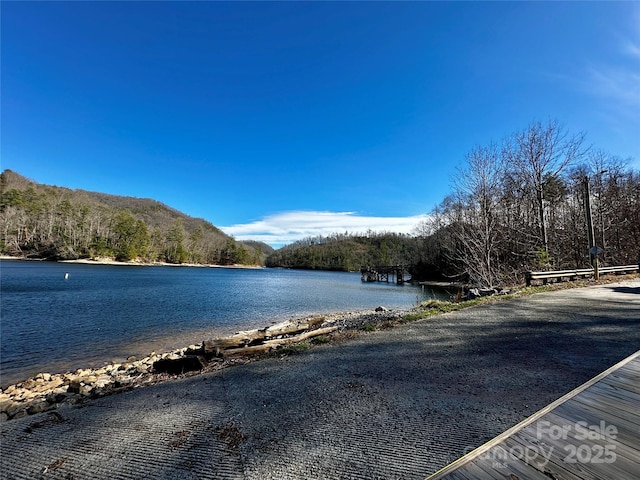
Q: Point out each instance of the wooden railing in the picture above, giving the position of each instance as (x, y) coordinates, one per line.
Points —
(578, 273)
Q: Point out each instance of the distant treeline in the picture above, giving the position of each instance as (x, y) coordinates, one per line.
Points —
(514, 207)
(43, 221)
(346, 252)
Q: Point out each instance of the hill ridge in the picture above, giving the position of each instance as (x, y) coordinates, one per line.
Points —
(60, 223)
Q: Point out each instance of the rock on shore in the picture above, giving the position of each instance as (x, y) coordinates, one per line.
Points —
(46, 391)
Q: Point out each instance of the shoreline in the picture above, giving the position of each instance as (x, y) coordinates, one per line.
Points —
(47, 391)
(110, 261)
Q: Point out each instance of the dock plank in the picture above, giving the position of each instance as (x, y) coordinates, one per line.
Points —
(613, 453)
(540, 456)
(627, 384)
(608, 395)
(620, 384)
(555, 467)
(622, 414)
(572, 438)
(515, 466)
(611, 390)
(475, 471)
(625, 432)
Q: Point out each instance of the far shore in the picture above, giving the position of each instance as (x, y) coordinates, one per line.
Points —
(110, 261)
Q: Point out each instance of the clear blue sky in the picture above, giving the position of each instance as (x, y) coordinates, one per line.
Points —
(281, 120)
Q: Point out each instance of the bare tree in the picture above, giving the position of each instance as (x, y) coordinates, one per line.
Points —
(478, 187)
(539, 153)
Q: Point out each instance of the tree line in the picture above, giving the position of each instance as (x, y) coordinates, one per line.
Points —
(346, 252)
(42, 221)
(521, 205)
(515, 206)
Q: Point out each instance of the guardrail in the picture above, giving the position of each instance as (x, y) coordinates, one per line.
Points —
(577, 273)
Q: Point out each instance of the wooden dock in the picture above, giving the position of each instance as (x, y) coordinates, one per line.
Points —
(593, 432)
(384, 274)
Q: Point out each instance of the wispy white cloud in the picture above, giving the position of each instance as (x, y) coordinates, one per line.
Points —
(632, 48)
(619, 85)
(618, 79)
(287, 227)
(615, 85)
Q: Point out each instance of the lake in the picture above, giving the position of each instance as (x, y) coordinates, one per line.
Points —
(100, 313)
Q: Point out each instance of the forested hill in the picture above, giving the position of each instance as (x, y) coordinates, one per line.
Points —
(43, 221)
(347, 252)
(427, 257)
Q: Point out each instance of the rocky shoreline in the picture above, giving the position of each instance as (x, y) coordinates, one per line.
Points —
(46, 391)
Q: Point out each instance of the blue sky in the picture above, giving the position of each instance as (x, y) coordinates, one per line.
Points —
(276, 121)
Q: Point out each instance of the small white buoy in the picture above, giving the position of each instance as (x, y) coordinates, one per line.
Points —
(66, 275)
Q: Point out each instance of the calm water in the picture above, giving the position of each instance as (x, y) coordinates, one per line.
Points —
(102, 312)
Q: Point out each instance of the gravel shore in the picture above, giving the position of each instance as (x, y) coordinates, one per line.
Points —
(392, 403)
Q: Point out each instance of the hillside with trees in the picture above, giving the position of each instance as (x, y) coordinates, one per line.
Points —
(345, 252)
(41, 221)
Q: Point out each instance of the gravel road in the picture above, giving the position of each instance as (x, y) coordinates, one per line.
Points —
(398, 403)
